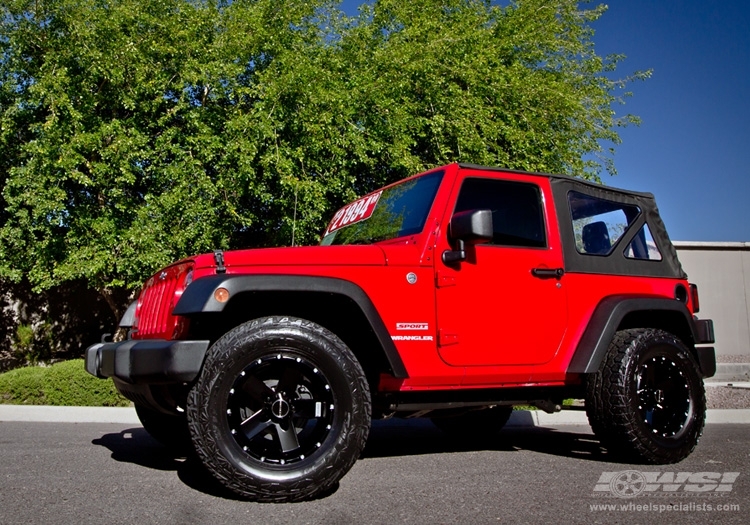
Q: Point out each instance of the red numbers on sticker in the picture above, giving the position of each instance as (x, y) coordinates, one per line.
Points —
(357, 211)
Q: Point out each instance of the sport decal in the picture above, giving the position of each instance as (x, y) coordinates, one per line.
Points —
(357, 211)
(412, 326)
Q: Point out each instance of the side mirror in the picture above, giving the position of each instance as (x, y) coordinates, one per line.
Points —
(468, 227)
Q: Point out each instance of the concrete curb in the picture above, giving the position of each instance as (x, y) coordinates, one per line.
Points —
(50, 414)
(127, 416)
(730, 372)
(733, 384)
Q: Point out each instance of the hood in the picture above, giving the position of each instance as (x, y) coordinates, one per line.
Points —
(365, 255)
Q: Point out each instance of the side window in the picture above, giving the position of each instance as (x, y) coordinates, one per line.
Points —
(517, 212)
(643, 246)
(599, 223)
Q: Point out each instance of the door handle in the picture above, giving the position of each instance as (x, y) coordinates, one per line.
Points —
(548, 273)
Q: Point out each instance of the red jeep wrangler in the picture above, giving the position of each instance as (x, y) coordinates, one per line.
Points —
(453, 295)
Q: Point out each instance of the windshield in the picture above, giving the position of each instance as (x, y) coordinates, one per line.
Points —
(385, 214)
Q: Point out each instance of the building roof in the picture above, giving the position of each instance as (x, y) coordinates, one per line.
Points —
(711, 245)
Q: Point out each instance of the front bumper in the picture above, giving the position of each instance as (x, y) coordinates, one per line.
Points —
(147, 361)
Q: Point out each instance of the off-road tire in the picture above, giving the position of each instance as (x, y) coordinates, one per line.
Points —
(647, 402)
(280, 411)
(475, 424)
(169, 430)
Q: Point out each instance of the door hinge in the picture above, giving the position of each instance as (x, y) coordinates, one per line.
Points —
(442, 280)
(447, 338)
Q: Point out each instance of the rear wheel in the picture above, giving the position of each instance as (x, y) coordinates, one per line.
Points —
(281, 410)
(647, 401)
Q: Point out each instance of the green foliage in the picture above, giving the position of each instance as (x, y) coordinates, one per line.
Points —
(23, 386)
(23, 343)
(32, 345)
(62, 384)
(136, 133)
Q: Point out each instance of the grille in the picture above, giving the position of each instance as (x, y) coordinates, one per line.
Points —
(156, 302)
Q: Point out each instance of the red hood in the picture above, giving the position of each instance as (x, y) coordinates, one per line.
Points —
(366, 255)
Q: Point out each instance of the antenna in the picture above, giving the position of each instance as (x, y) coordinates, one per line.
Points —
(294, 217)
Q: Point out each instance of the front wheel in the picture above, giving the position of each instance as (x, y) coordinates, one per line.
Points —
(281, 410)
(647, 401)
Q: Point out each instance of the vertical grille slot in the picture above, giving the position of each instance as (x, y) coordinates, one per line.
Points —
(155, 314)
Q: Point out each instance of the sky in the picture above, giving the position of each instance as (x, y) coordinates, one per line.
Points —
(692, 150)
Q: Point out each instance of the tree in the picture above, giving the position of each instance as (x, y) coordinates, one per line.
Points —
(136, 133)
(520, 86)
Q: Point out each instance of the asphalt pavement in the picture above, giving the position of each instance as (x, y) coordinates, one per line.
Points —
(127, 415)
(98, 465)
(409, 472)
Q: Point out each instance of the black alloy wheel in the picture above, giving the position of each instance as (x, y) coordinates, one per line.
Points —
(280, 408)
(280, 411)
(664, 399)
(647, 402)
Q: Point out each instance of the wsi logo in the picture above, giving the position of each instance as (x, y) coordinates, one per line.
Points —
(631, 483)
(412, 326)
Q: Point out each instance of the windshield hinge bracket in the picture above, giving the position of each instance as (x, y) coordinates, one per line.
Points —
(219, 258)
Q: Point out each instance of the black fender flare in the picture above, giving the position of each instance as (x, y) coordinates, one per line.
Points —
(608, 316)
(199, 298)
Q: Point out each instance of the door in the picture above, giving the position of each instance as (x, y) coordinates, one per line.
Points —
(505, 304)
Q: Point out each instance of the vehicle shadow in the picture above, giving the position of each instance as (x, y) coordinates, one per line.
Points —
(388, 438)
(410, 437)
(135, 445)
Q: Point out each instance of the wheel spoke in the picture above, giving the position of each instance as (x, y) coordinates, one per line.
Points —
(258, 391)
(663, 397)
(659, 420)
(290, 378)
(308, 408)
(287, 437)
(255, 424)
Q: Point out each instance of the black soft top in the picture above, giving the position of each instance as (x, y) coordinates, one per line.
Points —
(616, 262)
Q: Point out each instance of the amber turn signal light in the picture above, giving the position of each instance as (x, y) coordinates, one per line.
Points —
(221, 295)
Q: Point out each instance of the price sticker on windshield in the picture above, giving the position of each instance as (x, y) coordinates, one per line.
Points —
(356, 211)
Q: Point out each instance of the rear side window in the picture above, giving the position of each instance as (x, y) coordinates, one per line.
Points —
(517, 212)
(643, 246)
(599, 223)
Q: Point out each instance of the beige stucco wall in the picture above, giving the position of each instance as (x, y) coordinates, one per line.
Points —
(722, 273)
